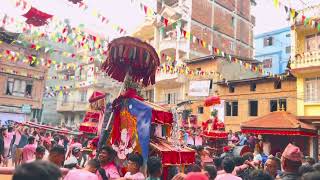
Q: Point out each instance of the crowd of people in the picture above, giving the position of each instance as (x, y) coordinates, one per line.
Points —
(41, 155)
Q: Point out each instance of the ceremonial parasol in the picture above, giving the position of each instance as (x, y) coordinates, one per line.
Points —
(130, 57)
(211, 101)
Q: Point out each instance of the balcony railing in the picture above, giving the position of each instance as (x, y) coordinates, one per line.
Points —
(63, 106)
(307, 59)
(165, 76)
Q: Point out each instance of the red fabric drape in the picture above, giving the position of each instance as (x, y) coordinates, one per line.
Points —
(280, 132)
(162, 117)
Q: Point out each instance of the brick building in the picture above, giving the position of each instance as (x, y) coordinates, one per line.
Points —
(226, 25)
(22, 83)
(247, 99)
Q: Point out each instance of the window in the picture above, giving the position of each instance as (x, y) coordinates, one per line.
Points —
(83, 96)
(283, 104)
(268, 41)
(267, 63)
(278, 104)
(228, 108)
(277, 84)
(171, 98)
(312, 89)
(83, 74)
(311, 43)
(18, 87)
(231, 108)
(200, 110)
(72, 119)
(149, 95)
(233, 21)
(273, 105)
(66, 119)
(231, 89)
(65, 97)
(232, 46)
(253, 108)
(253, 87)
(288, 35)
(288, 49)
(234, 106)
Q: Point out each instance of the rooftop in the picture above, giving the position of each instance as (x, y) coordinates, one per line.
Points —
(255, 79)
(213, 57)
(277, 120)
(270, 33)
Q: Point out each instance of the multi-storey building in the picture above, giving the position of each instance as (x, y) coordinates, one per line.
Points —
(22, 81)
(273, 50)
(73, 103)
(250, 98)
(305, 65)
(226, 25)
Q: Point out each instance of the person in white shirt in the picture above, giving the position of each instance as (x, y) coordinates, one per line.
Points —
(72, 161)
(87, 173)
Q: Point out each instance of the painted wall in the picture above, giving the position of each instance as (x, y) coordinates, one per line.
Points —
(265, 92)
(277, 52)
(305, 108)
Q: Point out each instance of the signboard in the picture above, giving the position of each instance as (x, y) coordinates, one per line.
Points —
(26, 108)
(5, 118)
(199, 88)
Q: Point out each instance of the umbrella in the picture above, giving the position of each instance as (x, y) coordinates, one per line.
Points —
(130, 56)
(96, 95)
(211, 101)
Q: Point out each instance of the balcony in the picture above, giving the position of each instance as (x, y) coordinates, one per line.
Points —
(308, 62)
(165, 76)
(71, 106)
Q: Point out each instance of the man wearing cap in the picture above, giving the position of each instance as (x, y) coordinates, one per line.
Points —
(291, 160)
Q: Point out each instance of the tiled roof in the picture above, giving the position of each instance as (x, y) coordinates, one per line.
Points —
(277, 120)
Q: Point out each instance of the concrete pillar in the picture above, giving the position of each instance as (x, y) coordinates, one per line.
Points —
(157, 38)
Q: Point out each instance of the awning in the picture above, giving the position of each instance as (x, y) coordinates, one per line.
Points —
(209, 101)
(278, 123)
(215, 134)
(171, 155)
(88, 127)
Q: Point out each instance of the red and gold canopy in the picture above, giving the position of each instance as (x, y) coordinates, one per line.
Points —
(130, 56)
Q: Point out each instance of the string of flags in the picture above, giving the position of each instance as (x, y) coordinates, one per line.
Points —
(184, 70)
(200, 42)
(21, 73)
(298, 16)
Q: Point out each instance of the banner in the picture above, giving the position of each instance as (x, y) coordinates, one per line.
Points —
(199, 88)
